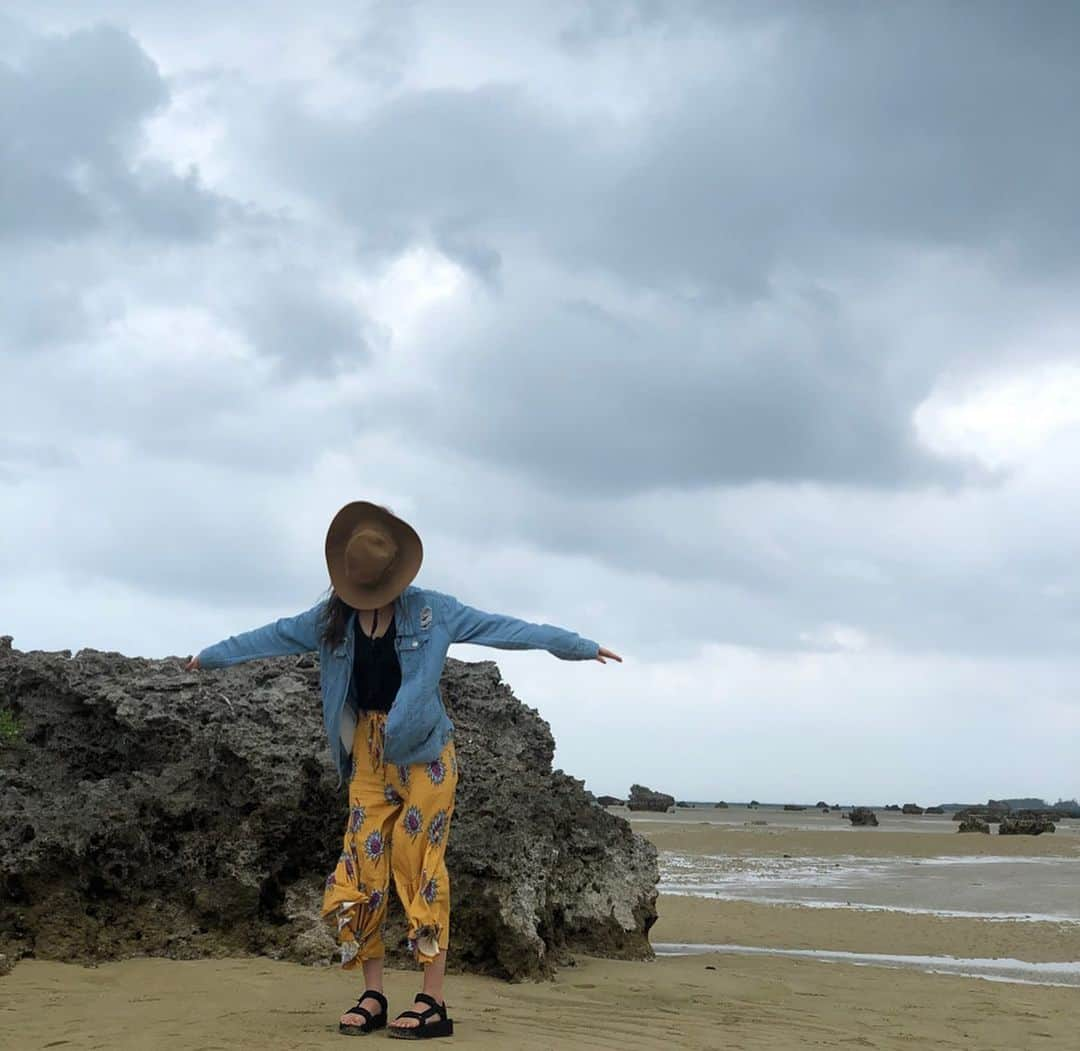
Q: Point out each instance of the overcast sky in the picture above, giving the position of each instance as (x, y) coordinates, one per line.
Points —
(742, 338)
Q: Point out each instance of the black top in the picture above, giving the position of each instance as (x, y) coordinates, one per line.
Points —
(376, 673)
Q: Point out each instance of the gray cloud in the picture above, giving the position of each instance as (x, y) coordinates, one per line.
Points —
(308, 330)
(71, 112)
(590, 401)
(822, 138)
(44, 307)
(757, 203)
(24, 458)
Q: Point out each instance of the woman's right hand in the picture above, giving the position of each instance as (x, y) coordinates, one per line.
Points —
(192, 664)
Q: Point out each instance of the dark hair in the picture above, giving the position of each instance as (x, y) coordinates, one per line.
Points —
(337, 611)
(334, 620)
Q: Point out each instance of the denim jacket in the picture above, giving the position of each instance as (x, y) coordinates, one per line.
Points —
(426, 623)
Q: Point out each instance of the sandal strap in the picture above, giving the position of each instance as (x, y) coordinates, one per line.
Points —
(422, 1016)
(358, 1010)
(374, 994)
(435, 1006)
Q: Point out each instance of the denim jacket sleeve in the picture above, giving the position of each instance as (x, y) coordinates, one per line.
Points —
(466, 624)
(297, 634)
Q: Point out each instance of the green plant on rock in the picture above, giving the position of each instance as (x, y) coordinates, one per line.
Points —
(10, 729)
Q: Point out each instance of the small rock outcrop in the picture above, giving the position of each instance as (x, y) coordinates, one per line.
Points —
(793, 807)
(912, 808)
(974, 824)
(1025, 823)
(610, 801)
(152, 811)
(935, 810)
(861, 815)
(993, 812)
(642, 798)
(720, 806)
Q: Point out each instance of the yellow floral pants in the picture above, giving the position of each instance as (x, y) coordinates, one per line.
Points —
(399, 822)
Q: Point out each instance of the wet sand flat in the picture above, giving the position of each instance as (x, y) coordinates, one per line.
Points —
(689, 920)
(747, 1003)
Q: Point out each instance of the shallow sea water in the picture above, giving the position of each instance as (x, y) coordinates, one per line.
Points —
(995, 970)
(1005, 888)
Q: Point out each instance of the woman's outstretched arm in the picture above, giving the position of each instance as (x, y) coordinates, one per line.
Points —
(297, 634)
(468, 624)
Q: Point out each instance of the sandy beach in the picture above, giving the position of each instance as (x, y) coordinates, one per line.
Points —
(703, 1001)
(742, 1003)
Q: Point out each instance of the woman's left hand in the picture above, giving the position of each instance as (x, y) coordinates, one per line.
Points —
(607, 653)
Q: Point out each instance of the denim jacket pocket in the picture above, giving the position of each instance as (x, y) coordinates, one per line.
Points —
(412, 643)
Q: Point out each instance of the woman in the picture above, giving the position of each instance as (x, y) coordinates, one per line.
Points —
(382, 643)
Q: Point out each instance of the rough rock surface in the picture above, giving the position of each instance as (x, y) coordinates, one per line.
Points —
(642, 798)
(1025, 823)
(152, 810)
(610, 801)
(974, 824)
(861, 815)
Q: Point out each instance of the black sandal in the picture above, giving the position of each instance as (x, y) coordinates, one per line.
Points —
(373, 1021)
(425, 1029)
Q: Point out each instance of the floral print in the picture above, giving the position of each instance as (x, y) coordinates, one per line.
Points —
(350, 868)
(430, 890)
(374, 846)
(413, 821)
(383, 795)
(437, 828)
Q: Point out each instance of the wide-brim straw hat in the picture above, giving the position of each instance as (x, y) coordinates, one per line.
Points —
(372, 555)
